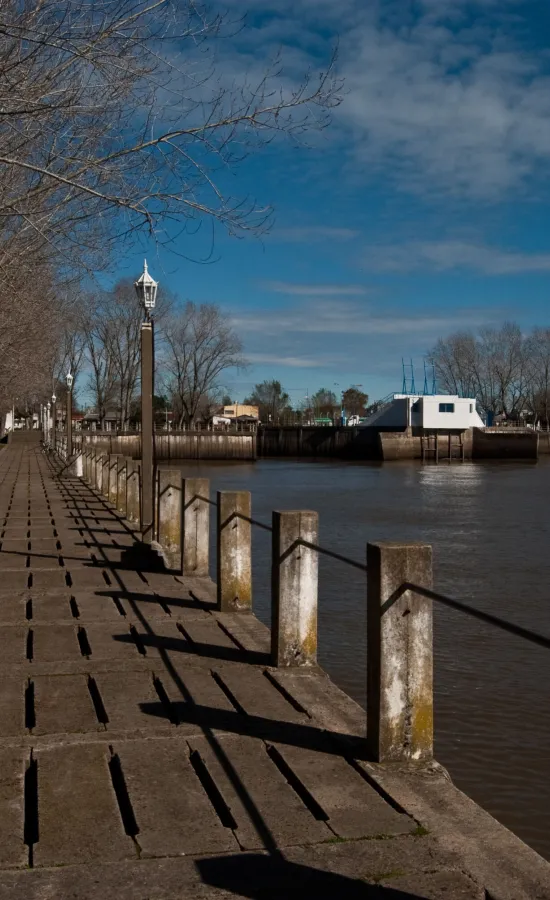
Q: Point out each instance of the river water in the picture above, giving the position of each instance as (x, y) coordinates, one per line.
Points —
(489, 524)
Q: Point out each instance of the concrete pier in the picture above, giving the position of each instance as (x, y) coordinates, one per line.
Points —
(150, 749)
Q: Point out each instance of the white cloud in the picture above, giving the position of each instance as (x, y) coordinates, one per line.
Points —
(442, 256)
(350, 318)
(291, 362)
(314, 290)
(436, 99)
(311, 234)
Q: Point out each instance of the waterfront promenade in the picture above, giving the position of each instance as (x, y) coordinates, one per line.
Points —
(148, 749)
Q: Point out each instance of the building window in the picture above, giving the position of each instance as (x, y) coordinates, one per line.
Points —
(446, 407)
(471, 407)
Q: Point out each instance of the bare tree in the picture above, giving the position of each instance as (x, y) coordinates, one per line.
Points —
(102, 372)
(490, 367)
(456, 364)
(537, 353)
(200, 344)
(113, 122)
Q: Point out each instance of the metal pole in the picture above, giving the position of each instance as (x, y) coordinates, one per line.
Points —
(147, 473)
(69, 423)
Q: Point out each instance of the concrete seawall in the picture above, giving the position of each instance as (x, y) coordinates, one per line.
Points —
(489, 443)
(331, 442)
(372, 443)
(312, 441)
(184, 445)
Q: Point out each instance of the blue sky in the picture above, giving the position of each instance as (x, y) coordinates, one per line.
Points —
(423, 209)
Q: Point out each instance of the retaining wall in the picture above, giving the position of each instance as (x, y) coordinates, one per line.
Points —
(184, 445)
(479, 443)
(312, 441)
(505, 443)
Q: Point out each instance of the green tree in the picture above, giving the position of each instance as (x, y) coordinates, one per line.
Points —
(271, 400)
(354, 402)
(324, 403)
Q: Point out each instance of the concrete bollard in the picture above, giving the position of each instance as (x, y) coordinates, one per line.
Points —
(133, 488)
(98, 469)
(105, 476)
(113, 477)
(121, 485)
(294, 580)
(399, 652)
(99, 472)
(170, 516)
(234, 536)
(196, 526)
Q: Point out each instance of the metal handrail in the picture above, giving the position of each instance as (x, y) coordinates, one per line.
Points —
(488, 618)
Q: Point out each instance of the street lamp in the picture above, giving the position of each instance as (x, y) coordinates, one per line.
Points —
(54, 419)
(146, 290)
(70, 380)
(48, 422)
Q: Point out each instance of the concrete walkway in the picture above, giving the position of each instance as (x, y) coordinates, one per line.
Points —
(147, 750)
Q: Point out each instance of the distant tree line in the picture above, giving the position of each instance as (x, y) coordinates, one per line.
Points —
(505, 370)
(274, 404)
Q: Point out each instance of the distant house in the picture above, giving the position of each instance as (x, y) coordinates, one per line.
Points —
(237, 410)
(431, 411)
(91, 421)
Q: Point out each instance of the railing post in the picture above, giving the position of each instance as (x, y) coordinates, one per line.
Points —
(399, 652)
(234, 538)
(133, 491)
(113, 478)
(105, 475)
(169, 516)
(121, 485)
(294, 580)
(99, 472)
(196, 526)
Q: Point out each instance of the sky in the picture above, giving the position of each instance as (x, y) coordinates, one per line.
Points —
(422, 209)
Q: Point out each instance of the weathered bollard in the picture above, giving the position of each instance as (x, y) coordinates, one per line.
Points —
(113, 478)
(234, 555)
(169, 516)
(97, 470)
(133, 491)
(294, 581)
(196, 526)
(121, 485)
(399, 652)
(105, 475)
(99, 460)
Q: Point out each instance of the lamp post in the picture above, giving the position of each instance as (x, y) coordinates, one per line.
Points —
(146, 290)
(54, 419)
(48, 423)
(69, 415)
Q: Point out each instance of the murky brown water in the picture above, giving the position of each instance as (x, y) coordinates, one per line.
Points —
(490, 529)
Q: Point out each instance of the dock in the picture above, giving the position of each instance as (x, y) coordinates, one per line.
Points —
(150, 748)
